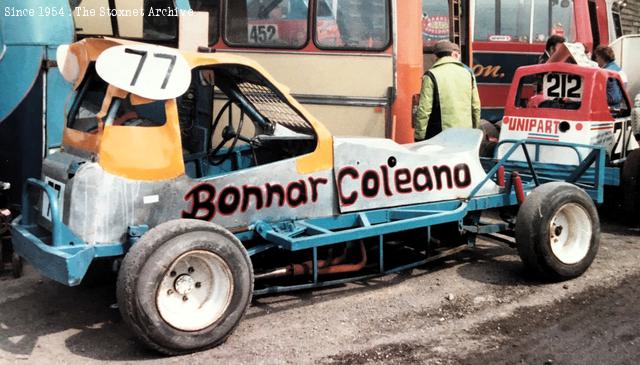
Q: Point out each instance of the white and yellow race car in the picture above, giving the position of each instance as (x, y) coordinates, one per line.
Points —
(205, 183)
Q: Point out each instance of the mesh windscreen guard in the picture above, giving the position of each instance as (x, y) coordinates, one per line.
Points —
(273, 108)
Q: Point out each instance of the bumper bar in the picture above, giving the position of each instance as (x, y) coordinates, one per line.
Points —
(67, 258)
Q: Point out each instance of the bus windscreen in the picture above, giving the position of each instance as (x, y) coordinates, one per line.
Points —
(526, 21)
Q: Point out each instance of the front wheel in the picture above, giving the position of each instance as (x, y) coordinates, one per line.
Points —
(184, 286)
(558, 231)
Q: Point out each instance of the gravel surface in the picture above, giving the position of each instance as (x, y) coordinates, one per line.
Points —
(477, 307)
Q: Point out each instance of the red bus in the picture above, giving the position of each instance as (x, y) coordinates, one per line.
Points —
(510, 34)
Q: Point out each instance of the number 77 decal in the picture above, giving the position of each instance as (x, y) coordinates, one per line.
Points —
(143, 58)
(152, 72)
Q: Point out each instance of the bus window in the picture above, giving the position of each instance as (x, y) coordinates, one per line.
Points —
(515, 20)
(213, 8)
(158, 28)
(552, 18)
(510, 21)
(361, 25)
(617, 22)
(135, 19)
(435, 21)
(267, 23)
(486, 21)
(326, 31)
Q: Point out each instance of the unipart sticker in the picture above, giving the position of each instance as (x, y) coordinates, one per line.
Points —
(153, 72)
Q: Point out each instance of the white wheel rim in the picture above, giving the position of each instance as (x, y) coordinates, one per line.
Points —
(195, 291)
(570, 233)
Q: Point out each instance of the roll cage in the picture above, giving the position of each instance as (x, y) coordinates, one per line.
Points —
(191, 132)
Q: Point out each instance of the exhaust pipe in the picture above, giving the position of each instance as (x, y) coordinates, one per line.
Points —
(330, 266)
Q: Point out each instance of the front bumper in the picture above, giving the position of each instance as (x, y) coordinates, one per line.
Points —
(57, 254)
(64, 264)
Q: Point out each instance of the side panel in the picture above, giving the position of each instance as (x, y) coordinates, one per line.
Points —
(613, 135)
(378, 173)
(101, 206)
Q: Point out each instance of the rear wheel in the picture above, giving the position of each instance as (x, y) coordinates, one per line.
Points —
(184, 286)
(558, 231)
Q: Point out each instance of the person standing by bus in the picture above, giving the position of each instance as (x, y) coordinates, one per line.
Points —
(605, 57)
(449, 95)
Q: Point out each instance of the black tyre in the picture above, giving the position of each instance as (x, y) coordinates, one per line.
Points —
(490, 131)
(490, 140)
(558, 231)
(184, 286)
(631, 187)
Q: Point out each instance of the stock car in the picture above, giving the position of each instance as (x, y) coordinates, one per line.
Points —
(202, 182)
(566, 103)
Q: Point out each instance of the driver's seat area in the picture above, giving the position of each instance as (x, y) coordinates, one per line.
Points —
(233, 118)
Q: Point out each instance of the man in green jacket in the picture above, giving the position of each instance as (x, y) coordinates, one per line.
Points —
(449, 95)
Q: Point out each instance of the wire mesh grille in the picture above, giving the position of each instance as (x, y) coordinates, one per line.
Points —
(273, 108)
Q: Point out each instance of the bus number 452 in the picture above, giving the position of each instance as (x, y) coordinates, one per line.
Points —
(263, 33)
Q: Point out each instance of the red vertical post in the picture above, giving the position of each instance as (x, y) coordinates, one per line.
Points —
(407, 38)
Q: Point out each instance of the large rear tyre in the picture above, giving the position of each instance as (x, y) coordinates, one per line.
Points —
(558, 231)
(631, 187)
(184, 286)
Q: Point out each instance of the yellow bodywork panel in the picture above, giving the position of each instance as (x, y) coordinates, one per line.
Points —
(144, 153)
(81, 140)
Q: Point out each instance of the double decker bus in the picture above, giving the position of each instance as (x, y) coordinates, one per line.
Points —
(357, 63)
(346, 60)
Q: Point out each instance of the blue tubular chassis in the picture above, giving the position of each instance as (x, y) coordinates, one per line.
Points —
(60, 255)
